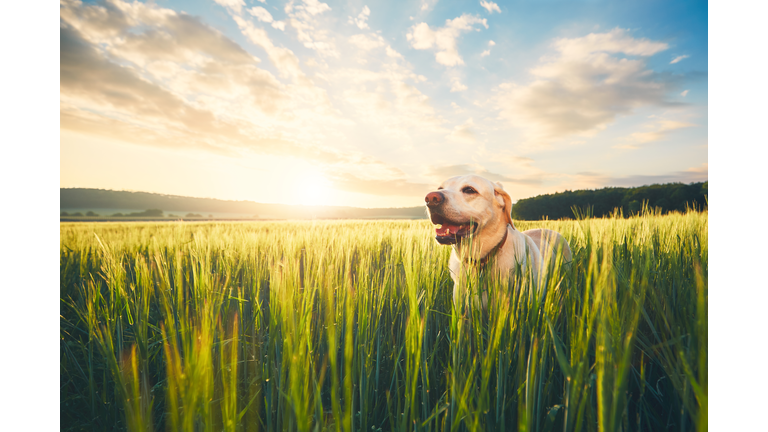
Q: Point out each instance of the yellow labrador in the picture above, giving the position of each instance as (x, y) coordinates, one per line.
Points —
(472, 207)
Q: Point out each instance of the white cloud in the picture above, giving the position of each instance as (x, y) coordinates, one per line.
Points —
(371, 41)
(144, 34)
(446, 171)
(582, 88)
(428, 4)
(388, 102)
(700, 170)
(139, 73)
(684, 93)
(315, 7)
(488, 51)
(235, 5)
(655, 131)
(463, 132)
(367, 42)
(678, 58)
(284, 59)
(614, 41)
(456, 85)
(591, 180)
(490, 6)
(263, 15)
(392, 53)
(422, 37)
(304, 19)
(362, 18)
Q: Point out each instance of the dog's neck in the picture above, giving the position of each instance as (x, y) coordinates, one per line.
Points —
(480, 254)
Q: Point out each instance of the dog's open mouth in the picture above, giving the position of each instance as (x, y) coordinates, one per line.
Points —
(449, 232)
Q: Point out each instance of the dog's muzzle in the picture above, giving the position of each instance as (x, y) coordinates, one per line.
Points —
(434, 199)
(449, 232)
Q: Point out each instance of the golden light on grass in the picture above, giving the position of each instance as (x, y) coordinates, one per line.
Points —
(351, 325)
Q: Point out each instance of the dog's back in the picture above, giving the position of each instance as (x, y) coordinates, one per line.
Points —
(550, 243)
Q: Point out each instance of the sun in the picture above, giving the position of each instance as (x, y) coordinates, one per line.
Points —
(313, 189)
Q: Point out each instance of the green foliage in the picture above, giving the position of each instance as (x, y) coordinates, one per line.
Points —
(606, 201)
(148, 213)
(351, 326)
(145, 213)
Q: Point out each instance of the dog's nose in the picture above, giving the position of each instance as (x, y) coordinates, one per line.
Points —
(434, 199)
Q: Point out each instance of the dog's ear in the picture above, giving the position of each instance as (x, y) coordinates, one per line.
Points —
(499, 192)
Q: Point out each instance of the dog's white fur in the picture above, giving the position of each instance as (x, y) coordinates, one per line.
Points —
(489, 207)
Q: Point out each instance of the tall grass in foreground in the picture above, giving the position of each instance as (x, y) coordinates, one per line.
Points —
(346, 326)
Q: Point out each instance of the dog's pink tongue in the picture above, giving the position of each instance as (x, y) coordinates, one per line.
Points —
(447, 230)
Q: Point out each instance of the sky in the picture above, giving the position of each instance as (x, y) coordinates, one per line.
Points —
(374, 104)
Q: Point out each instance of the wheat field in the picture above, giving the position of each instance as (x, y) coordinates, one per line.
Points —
(350, 326)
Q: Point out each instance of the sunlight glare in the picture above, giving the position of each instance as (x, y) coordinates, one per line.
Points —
(313, 189)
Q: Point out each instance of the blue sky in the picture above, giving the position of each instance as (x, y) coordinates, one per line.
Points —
(373, 104)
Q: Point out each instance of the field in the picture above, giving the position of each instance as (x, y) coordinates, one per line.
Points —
(342, 326)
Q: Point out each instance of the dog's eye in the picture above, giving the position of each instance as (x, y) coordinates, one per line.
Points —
(469, 190)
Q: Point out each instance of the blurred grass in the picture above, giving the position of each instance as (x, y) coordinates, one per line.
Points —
(350, 325)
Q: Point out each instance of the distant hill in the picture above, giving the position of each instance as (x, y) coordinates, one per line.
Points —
(602, 202)
(84, 199)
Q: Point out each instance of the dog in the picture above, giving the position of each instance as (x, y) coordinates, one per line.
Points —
(473, 214)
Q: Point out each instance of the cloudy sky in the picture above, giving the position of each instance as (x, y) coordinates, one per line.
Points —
(373, 104)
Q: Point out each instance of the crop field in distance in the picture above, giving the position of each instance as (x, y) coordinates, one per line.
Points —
(351, 326)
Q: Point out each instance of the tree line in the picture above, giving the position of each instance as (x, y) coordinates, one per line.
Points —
(145, 213)
(153, 213)
(85, 198)
(604, 202)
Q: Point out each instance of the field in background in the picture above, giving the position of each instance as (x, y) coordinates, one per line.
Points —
(106, 203)
(350, 326)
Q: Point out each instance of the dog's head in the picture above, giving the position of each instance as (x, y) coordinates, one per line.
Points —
(468, 206)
